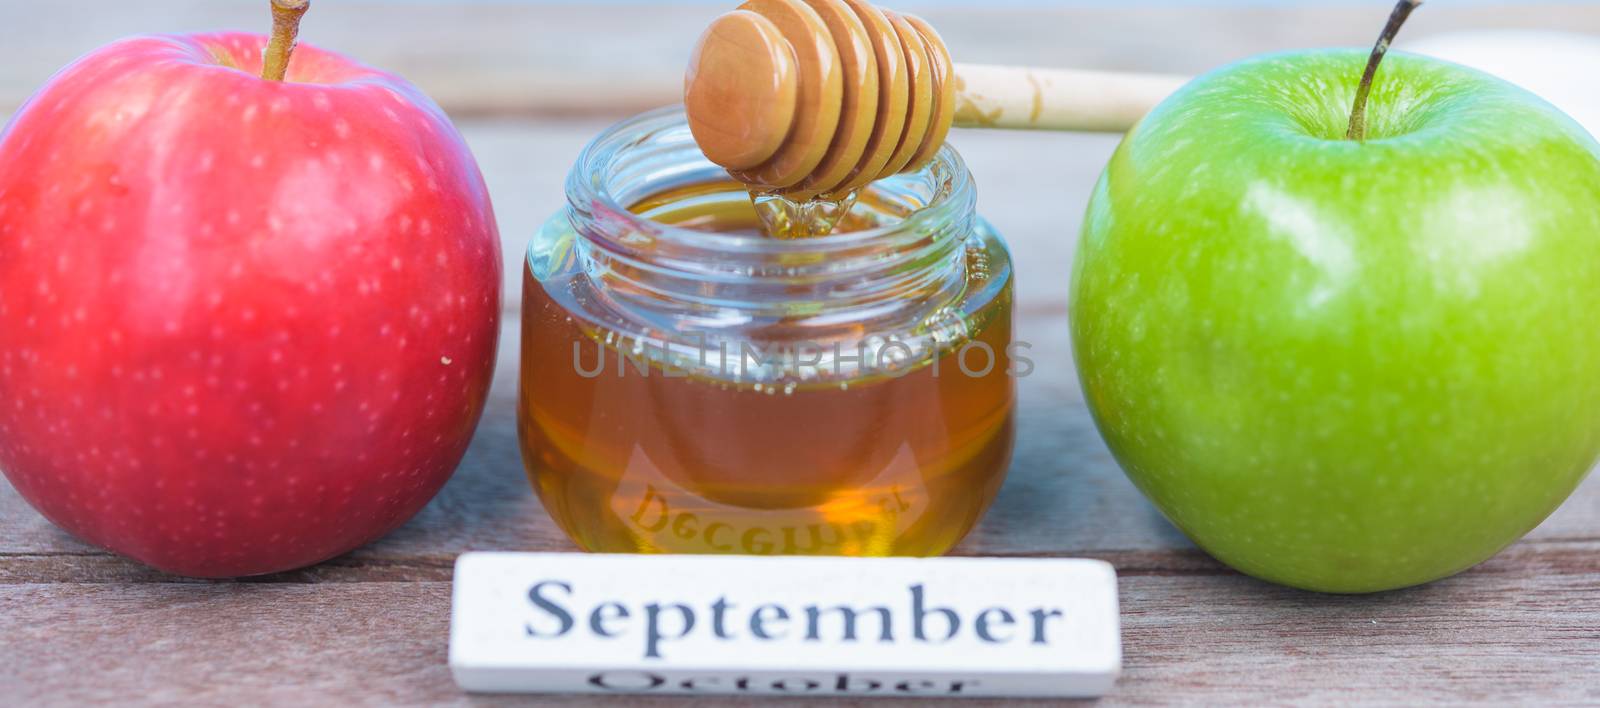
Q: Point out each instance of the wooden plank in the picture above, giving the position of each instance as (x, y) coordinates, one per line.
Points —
(1490, 637)
(1496, 640)
(495, 58)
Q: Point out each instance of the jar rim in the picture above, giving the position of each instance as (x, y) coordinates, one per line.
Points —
(589, 188)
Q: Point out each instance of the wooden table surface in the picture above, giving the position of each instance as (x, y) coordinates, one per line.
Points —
(529, 84)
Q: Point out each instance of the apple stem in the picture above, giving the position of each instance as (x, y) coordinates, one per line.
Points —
(286, 16)
(1358, 114)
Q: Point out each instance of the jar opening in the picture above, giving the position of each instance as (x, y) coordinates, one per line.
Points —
(910, 259)
(651, 154)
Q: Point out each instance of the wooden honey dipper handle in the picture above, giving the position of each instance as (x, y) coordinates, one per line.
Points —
(821, 97)
(1025, 98)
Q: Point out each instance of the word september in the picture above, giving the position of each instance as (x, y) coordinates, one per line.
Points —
(664, 622)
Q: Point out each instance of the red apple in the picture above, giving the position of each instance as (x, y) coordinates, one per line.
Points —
(245, 325)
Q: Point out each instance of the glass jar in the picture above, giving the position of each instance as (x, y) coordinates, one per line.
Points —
(690, 385)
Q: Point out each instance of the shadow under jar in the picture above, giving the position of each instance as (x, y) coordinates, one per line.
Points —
(690, 385)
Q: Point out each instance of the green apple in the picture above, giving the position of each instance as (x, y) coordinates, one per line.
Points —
(1346, 365)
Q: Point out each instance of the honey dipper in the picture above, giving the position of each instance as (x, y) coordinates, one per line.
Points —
(814, 98)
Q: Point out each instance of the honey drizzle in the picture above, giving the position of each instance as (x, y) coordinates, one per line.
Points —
(785, 218)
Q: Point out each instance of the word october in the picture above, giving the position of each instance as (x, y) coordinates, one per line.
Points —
(915, 620)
